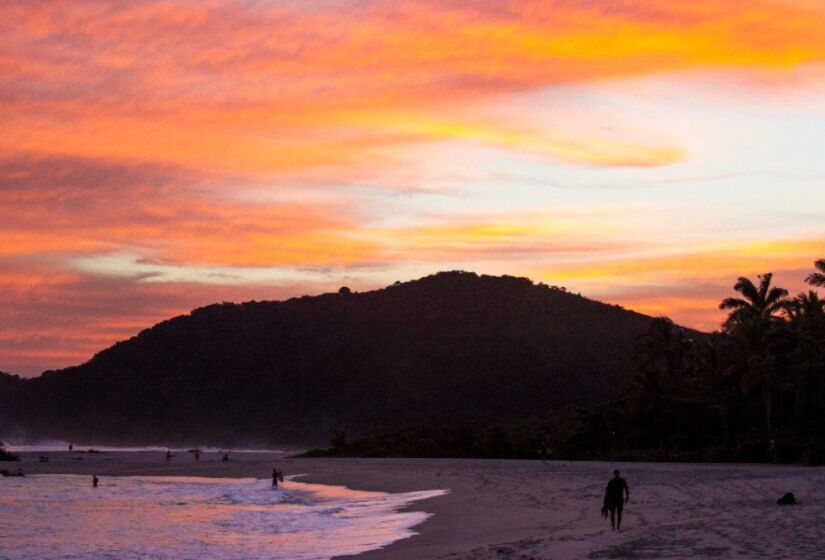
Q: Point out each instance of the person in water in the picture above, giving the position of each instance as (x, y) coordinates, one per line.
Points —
(616, 494)
(71, 447)
(277, 476)
(94, 481)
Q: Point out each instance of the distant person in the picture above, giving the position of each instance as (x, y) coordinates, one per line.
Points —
(772, 450)
(71, 447)
(277, 476)
(225, 458)
(197, 455)
(94, 481)
(168, 455)
(616, 494)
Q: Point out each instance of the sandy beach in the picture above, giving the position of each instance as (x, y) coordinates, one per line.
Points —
(533, 510)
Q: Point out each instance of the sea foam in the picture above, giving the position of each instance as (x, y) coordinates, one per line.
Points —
(125, 518)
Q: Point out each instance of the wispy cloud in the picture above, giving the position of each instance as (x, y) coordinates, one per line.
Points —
(272, 88)
(164, 154)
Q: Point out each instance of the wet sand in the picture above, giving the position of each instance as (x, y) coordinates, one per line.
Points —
(524, 510)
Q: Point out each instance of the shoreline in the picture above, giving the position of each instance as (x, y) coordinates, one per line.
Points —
(528, 509)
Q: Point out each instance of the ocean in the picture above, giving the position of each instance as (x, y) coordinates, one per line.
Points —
(140, 518)
(49, 447)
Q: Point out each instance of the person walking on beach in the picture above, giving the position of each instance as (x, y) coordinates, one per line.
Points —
(616, 494)
(277, 476)
(94, 481)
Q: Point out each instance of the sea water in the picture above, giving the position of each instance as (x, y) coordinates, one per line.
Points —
(181, 518)
(49, 447)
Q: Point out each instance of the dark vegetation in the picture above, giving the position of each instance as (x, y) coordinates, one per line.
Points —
(723, 397)
(8, 456)
(451, 349)
(9, 387)
(460, 365)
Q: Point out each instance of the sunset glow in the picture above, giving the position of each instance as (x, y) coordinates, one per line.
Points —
(161, 155)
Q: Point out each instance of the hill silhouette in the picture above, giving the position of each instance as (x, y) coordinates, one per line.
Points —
(450, 348)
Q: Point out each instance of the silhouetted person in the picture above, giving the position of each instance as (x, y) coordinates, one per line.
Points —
(197, 454)
(94, 481)
(277, 476)
(71, 446)
(616, 494)
(168, 455)
(225, 457)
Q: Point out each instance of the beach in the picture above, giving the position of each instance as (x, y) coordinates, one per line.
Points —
(531, 509)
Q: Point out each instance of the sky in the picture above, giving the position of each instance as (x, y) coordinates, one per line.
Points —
(157, 156)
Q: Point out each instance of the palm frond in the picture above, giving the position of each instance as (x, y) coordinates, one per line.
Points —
(764, 285)
(811, 297)
(734, 303)
(745, 287)
(811, 302)
(817, 278)
(805, 305)
(775, 295)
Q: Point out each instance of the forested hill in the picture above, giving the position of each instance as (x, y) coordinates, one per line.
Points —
(450, 348)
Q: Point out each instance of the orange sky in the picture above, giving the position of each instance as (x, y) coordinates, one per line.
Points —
(161, 155)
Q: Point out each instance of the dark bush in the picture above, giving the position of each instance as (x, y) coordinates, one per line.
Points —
(814, 454)
(7, 456)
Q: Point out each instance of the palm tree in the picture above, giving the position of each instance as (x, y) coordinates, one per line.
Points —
(807, 313)
(806, 306)
(753, 317)
(817, 278)
(660, 373)
(759, 307)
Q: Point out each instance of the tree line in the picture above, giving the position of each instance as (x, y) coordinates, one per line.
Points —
(752, 391)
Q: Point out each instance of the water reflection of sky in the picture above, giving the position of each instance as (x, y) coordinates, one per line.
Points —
(62, 517)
